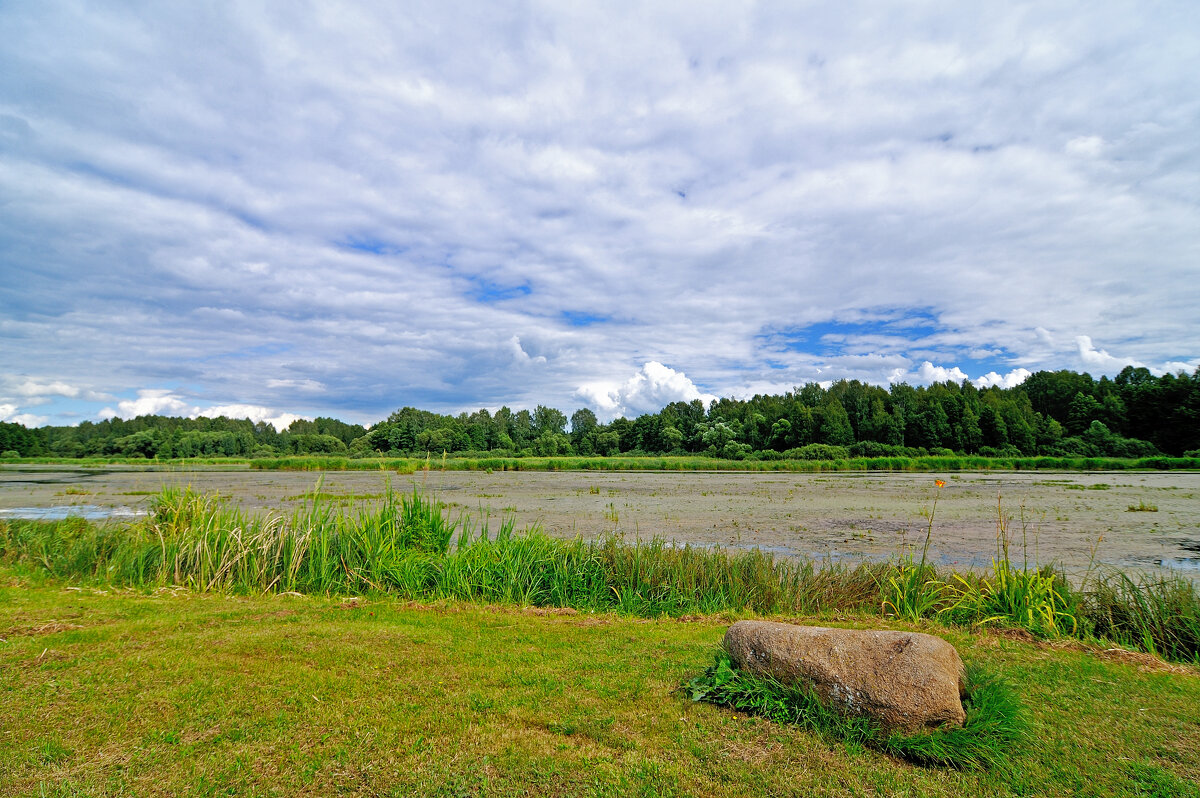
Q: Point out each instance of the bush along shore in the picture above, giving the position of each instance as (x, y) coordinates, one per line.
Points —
(411, 465)
(756, 461)
(410, 546)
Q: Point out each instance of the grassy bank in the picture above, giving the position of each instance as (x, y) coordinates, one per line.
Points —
(172, 692)
(411, 547)
(410, 465)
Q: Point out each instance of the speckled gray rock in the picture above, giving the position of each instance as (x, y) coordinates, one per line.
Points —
(905, 680)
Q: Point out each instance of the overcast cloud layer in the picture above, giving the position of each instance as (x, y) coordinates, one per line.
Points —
(340, 209)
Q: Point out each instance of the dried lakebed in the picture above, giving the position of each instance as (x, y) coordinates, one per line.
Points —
(1072, 519)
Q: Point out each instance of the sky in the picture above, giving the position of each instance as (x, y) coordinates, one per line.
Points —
(281, 210)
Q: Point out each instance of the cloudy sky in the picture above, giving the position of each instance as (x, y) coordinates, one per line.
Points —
(267, 209)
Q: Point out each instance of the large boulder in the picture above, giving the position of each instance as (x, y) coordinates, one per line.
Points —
(906, 681)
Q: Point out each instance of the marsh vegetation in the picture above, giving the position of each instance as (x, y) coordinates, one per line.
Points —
(413, 547)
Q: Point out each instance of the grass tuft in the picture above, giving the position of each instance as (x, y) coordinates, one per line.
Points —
(994, 727)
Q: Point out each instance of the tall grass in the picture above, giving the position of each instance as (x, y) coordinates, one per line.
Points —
(409, 545)
(1159, 615)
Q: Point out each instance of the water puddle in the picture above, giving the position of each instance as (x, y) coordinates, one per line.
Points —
(90, 512)
(1182, 564)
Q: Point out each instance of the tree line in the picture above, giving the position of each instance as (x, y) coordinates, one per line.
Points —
(1055, 413)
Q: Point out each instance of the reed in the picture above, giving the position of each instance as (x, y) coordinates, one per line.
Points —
(410, 545)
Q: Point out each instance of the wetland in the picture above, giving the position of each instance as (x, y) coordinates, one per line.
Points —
(1143, 521)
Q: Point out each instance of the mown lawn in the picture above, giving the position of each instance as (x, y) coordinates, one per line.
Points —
(134, 693)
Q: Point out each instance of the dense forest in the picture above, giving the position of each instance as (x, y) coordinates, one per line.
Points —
(1060, 413)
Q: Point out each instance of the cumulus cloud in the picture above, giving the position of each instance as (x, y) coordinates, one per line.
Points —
(1009, 380)
(927, 372)
(1100, 358)
(11, 413)
(519, 354)
(650, 389)
(1176, 366)
(280, 421)
(151, 402)
(155, 401)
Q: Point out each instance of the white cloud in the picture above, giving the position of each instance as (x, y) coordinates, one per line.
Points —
(302, 386)
(647, 391)
(1176, 366)
(519, 354)
(160, 402)
(928, 373)
(151, 402)
(40, 391)
(1085, 146)
(29, 420)
(280, 421)
(1100, 358)
(1009, 380)
(33, 388)
(10, 414)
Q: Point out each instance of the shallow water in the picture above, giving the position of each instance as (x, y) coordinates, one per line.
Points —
(1073, 520)
(91, 512)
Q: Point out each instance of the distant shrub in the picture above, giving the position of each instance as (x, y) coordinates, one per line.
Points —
(10, 454)
(818, 451)
(735, 451)
(999, 451)
(877, 449)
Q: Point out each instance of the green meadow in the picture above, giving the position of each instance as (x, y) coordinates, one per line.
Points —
(176, 692)
(395, 650)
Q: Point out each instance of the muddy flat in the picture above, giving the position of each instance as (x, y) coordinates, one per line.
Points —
(1075, 520)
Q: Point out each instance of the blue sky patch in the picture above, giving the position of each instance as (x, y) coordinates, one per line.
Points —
(828, 338)
(581, 319)
(484, 290)
(370, 245)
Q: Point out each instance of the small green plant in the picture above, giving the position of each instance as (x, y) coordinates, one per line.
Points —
(1035, 600)
(1142, 507)
(995, 721)
(914, 592)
